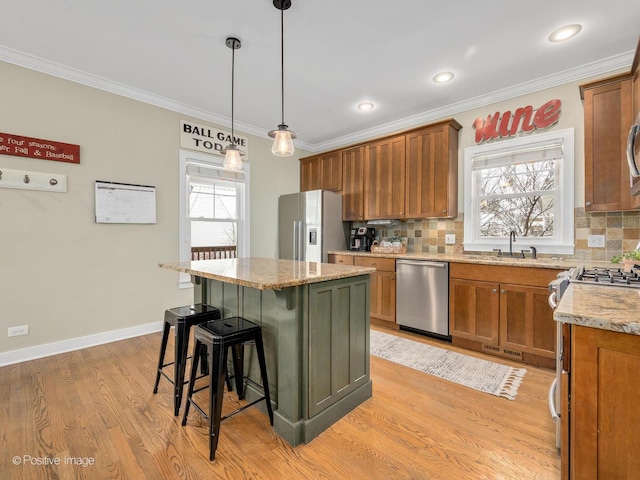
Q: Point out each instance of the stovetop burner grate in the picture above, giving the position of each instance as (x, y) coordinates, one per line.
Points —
(610, 276)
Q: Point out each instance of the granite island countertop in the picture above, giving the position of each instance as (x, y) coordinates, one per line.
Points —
(486, 259)
(266, 273)
(608, 308)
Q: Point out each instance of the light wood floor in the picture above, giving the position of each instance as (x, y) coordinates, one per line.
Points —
(97, 404)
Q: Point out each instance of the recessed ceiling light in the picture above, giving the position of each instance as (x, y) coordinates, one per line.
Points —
(443, 77)
(366, 106)
(565, 33)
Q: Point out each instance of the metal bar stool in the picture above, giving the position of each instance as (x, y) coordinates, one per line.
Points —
(182, 319)
(217, 336)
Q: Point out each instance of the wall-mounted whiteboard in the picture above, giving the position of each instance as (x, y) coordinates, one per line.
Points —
(125, 203)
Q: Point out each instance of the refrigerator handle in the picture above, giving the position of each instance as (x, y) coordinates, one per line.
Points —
(295, 240)
(301, 240)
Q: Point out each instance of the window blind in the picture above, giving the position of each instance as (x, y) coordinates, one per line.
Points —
(532, 153)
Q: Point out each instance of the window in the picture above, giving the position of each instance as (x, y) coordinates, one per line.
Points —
(214, 206)
(523, 185)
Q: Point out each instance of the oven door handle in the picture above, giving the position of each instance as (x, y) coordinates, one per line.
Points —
(552, 300)
(551, 400)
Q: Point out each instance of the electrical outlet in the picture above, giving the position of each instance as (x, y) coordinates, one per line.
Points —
(450, 238)
(15, 331)
(596, 241)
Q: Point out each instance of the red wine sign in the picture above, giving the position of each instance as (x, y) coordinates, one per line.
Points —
(36, 148)
(522, 120)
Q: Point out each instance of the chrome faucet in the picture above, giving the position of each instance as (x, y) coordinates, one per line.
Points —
(512, 238)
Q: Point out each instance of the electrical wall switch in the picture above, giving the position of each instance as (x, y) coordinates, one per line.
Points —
(16, 331)
(596, 241)
(450, 238)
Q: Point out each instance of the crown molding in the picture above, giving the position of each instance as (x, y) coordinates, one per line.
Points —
(48, 67)
(605, 66)
(601, 67)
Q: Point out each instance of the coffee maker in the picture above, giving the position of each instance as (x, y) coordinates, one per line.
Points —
(361, 238)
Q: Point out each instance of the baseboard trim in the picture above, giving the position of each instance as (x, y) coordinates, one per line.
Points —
(55, 348)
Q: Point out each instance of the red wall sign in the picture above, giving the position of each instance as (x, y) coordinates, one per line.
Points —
(523, 119)
(37, 148)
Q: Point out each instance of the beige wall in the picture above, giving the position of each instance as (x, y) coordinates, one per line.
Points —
(66, 276)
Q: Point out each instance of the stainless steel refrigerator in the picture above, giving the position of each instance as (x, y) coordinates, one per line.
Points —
(310, 225)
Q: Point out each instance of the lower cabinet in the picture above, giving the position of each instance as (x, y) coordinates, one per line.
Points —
(503, 310)
(383, 288)
(383, 285)
(603, 426)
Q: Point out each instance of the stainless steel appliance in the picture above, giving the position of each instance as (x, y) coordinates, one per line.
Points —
(361, 238)
(309, 225)
(422, 297)
(557, 288)
(597, 276)
(633, 148)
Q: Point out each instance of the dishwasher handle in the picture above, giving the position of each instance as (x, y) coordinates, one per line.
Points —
(422, 263)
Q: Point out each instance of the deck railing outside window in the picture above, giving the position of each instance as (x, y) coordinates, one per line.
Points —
(212, 253)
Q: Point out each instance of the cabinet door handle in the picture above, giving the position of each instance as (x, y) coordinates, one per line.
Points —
(588, 204)
(392, 278)
(503, 291)
(494, 290)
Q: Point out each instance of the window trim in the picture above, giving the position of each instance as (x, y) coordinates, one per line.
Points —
(184, 239)
(564, 216)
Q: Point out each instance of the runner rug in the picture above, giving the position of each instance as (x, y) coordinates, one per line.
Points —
(483, 375)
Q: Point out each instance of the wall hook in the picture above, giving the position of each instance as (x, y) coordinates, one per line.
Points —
(26, 179)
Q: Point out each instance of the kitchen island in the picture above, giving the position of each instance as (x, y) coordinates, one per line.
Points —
(315, 328)
(601, 367)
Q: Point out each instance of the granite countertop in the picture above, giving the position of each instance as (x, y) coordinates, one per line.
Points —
(543, 262)
(266, 273)
(604, 307)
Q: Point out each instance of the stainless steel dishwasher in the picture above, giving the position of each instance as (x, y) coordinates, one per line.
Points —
(422, 297)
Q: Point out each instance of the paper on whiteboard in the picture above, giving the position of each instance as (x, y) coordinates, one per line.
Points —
(125, 203)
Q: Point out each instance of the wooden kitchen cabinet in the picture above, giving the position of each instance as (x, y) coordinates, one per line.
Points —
(321, 171)
(603, 425)
(341, 259)
(526, 321)
(503, 310)
(384, 178)
(353, 184)
(432, 171)
(310, 178)
(474, 310)
(383, 288)
(607, 119)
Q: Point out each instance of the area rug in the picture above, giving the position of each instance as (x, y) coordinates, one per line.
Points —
(483, 375)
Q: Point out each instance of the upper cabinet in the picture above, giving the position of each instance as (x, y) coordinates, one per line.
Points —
(384, 178)
(409, 175)
(353, 184)
(607, 119)
(321, 171)
(432, 171)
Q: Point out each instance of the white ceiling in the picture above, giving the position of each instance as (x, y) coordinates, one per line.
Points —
(337, 54)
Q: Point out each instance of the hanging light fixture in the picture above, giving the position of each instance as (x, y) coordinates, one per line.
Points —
(232, 153)
(282, 137)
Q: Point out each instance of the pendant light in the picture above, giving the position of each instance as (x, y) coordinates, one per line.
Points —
(282, 137)
(232, 153)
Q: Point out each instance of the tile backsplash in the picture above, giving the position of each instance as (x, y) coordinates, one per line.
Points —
(621, 231)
